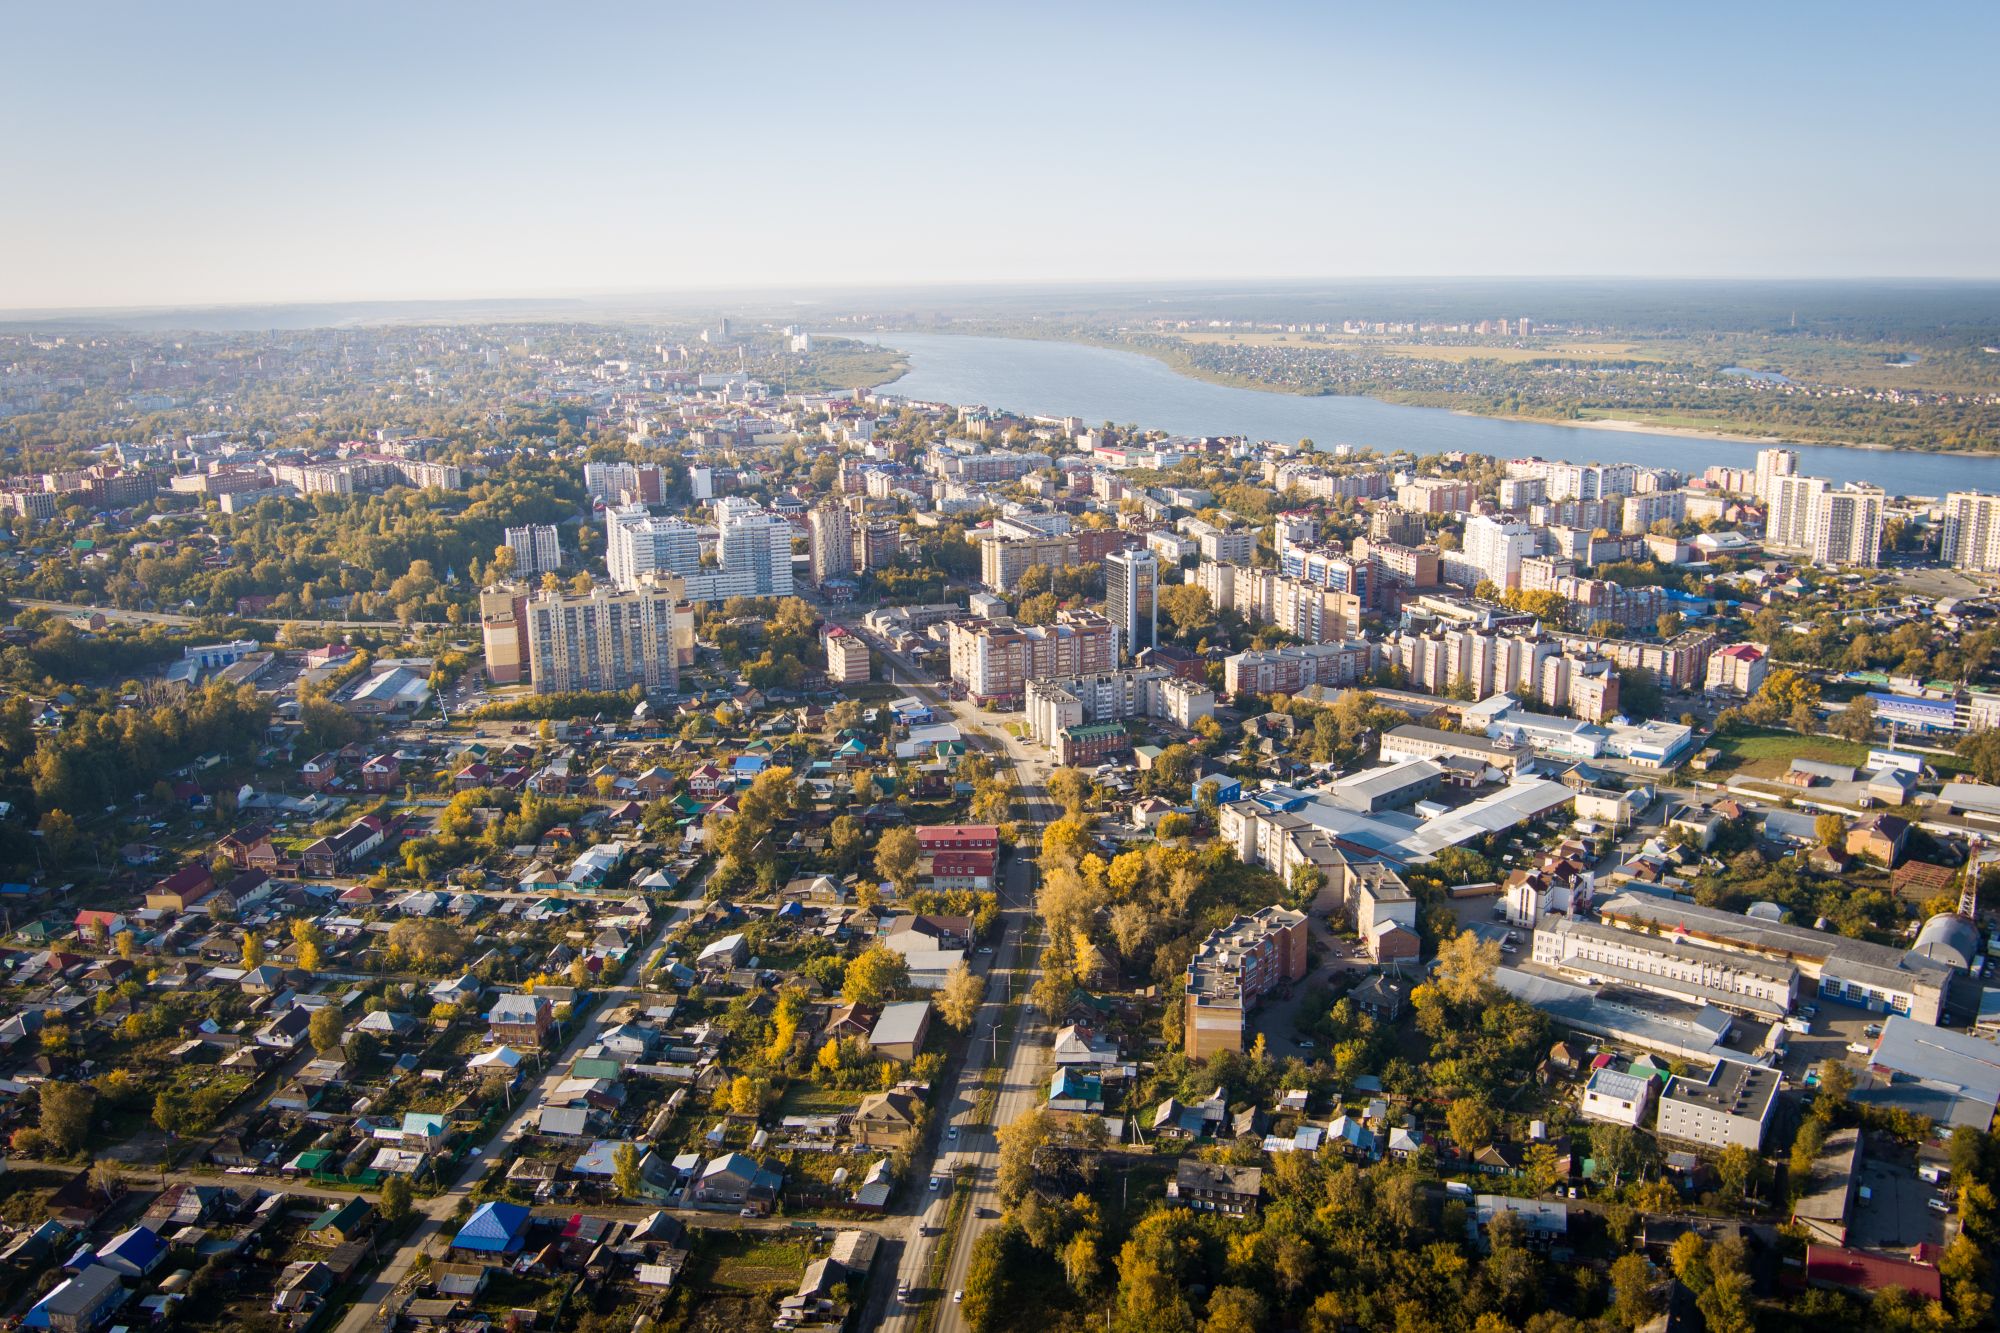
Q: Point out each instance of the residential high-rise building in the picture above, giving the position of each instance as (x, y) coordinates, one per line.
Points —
(1772, 464)
(757, 547)
(608, 639)
(832, 545)
(624, 483)
(1496, 549)
(1790, 506)
(637, 543)
(1591, 481)
(1971, 537)
(876, 545)
(1132, 597)
(535, 547)
(503, 631)
(1847, 526)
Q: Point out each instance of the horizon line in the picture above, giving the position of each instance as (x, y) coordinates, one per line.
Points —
(16, 314)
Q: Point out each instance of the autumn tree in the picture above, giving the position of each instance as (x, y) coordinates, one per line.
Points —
(957, 1001)
(1632, 1290)
(1020, 1139)
(878, 974)
(625, 1170)
(310, 942)
(396, 1198)
(1470, 1123)
(324, 1028)
(1465, 968)
(1069, 788)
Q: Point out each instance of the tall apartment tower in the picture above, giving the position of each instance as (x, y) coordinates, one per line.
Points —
(876, 545)
(608, 639)
(1847, 527)
(1791, 505)
(1497, 549)
(1772, 464)
(1132, 597)
(832, 554)
(535, 547)
(1971, 537)
(760, 545)
(637, 543)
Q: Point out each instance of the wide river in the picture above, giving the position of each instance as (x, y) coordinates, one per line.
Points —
(1098, 384)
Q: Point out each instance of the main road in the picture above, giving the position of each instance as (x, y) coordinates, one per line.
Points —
(967, 1158)
(177, 618)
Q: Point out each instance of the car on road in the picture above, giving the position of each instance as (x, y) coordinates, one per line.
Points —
(1937, 1205)
(1305, 1043)
(952, 1132)
(936, 1181)
(1872, 1030)
(746, 1212)
(957, 1297)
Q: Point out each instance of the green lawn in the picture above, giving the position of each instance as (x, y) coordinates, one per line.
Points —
(748, 1260)
(1769, 754)
(803, 1098)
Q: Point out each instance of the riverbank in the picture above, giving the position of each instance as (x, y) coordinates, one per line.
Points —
(1722, 434)
(1058, 377)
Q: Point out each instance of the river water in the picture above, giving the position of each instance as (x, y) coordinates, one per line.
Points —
(1099, 384)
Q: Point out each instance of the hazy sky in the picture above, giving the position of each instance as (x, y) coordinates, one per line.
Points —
(213, 153)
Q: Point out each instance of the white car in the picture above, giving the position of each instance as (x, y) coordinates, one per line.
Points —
(951, 1133)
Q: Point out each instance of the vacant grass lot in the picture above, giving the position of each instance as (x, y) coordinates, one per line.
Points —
(1769, 754)
(748, 1261)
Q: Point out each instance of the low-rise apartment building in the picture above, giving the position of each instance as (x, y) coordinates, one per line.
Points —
(1235, 967)
(993, 660)
(1731, 1107)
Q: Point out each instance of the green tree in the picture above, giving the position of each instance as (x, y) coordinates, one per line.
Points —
(896, 857)
(1632, 1290)
(396, 1198)
(66, 1115)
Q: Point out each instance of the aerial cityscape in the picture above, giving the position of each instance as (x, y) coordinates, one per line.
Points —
(617, 718)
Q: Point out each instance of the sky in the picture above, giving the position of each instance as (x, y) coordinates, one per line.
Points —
(209, 153)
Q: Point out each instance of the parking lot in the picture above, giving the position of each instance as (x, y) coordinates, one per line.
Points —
(1897, 1214)
(1835, 1026)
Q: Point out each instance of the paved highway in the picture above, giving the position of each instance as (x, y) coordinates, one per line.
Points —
(970, 1160)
